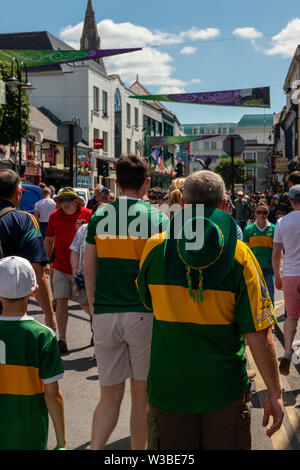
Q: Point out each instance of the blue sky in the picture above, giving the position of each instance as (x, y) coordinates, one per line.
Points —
(187, 46)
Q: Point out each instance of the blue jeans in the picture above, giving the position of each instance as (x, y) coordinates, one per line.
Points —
(270, 281)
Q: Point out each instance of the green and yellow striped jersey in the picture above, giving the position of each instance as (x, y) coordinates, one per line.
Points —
(120, 231)
(261, 243)
(29, 358)
(197, 354)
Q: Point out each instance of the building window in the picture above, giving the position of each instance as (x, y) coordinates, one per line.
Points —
(196, 130)
(104, 103)
(210, 131)
(96, 134)
(224, 130)
(128, 114)
(95, 98)
(136, 148)
(105, 142)
(118, 123)
(210, 145)
(136, 117)
(128, 146)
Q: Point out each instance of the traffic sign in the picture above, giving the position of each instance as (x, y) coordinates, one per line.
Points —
(234, 145)
(63, 133)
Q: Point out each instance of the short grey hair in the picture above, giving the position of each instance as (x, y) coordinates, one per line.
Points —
(204, 187)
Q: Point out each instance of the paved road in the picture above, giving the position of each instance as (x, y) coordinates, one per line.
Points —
(80, 387)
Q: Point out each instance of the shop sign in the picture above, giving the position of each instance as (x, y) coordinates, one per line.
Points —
(98, 144)
(281, 164)
(49, 155)
(33, 170)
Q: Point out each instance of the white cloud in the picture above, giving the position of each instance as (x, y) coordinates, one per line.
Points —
(170, 90)
(286, 42)
(152, 66)
(188, 50)
(115, 35)
(247, 33)
(196, 80)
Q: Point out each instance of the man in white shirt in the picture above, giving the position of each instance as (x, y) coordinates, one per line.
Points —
(287, 274)
(43, 209)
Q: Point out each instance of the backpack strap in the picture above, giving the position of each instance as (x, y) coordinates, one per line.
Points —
(6, 210)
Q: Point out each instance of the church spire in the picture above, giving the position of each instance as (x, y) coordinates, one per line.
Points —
(90, 39)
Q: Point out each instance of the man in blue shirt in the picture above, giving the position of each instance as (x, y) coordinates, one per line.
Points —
(20, 236)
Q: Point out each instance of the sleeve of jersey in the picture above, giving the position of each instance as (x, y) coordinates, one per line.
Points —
(32, 243)
(246, 235)
(141, 281)
(254, 309)
(91, 231)
(51, 366)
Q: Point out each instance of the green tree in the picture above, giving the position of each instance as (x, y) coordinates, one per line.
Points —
(9, 120)
(224, 169)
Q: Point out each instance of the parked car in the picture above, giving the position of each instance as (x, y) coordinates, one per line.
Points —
(84, 193)
(32, 195)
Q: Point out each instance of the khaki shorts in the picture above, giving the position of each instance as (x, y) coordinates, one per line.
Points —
(122, 344)
(62, 287)
(225, 429)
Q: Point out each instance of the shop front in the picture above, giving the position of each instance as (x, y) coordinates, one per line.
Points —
(56, 177)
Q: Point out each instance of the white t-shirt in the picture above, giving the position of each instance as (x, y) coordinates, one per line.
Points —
(78, 245)
(287, 232)
(45, 207)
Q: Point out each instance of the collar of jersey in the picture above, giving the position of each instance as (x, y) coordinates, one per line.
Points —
(2, 317)
(262, 229)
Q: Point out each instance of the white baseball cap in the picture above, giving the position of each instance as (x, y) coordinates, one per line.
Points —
(17, 278)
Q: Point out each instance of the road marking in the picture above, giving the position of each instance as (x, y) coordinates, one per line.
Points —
(280, 439)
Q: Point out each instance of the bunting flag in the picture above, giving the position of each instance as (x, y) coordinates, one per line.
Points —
(247, 97)
(36, 58)
(161, 165)
(155, 156)
(168, 164)
(165, 141)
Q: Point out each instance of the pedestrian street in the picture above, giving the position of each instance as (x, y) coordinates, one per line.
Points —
(80, 388)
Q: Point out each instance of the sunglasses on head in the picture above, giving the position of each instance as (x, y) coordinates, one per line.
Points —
(67, 199)
(262, 212)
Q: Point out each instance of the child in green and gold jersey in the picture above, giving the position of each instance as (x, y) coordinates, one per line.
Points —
(30, 366)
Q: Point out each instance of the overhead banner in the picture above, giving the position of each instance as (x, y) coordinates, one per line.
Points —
(247, 97)
(36, 58)
(165, 141)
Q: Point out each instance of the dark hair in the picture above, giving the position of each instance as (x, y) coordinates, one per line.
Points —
(46, 191)
(294, 177)
(131, 171)
(9, 182)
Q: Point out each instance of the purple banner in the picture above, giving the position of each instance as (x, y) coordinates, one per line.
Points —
(247, 97)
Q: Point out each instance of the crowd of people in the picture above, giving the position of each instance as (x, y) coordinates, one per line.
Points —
(168, 313)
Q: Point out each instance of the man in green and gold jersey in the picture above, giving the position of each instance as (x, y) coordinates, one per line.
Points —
(122, 325)
(208, 294)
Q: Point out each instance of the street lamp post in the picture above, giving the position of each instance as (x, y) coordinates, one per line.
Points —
(17, 83)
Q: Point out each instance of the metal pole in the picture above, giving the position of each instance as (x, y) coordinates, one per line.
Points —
(232, 173)
(71, 151)
(20, 125)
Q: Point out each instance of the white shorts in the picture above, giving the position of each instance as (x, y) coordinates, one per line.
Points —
(122, 344)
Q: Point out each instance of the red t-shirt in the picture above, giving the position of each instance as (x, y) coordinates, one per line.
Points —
(63, 228)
